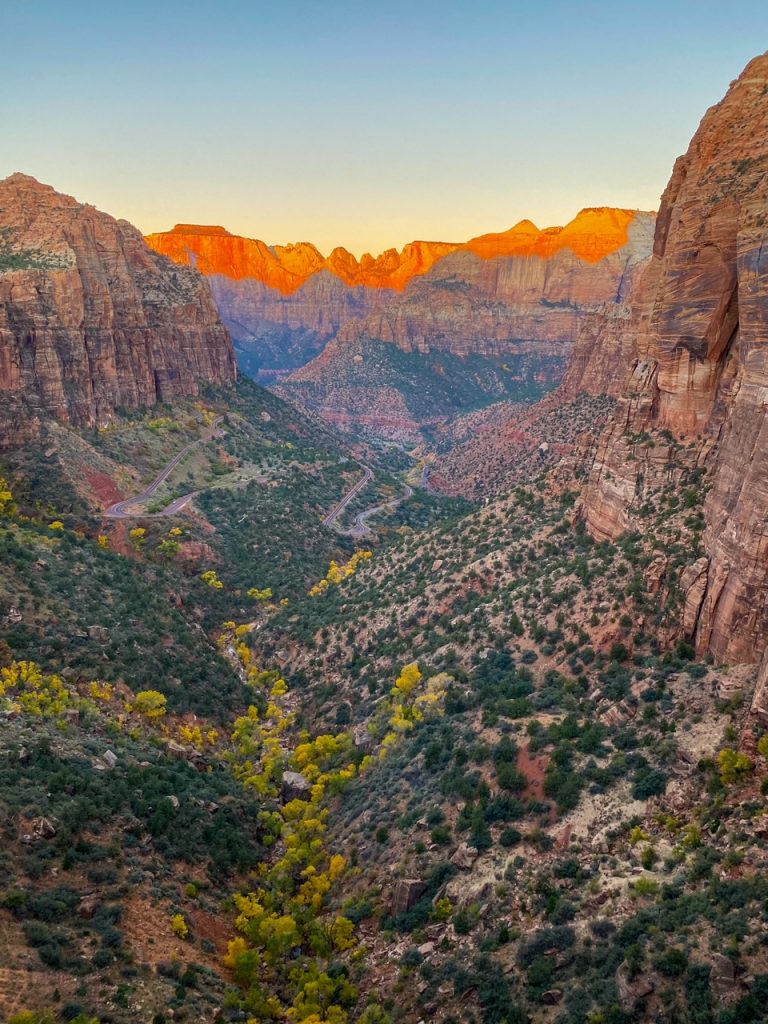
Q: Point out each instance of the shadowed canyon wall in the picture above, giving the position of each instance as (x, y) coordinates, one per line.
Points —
(91, 319)
(699, 329)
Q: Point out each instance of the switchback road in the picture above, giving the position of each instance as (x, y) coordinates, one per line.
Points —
(333, 515)
(361, 528)
(127, 508)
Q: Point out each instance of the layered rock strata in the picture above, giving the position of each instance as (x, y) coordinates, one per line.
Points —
(91, 319)
(699, 326)
(284, 303)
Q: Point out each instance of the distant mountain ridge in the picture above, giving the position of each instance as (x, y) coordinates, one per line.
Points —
(283, 303)
(592, 235)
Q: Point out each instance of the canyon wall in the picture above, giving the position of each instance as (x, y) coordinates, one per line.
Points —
(487, 304)
(699, 379)
(490, 326)
(91, 319)
(284, 303)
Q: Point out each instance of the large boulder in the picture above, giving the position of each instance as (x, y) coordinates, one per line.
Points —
(408, 891)
(295, 786)
(632, 990)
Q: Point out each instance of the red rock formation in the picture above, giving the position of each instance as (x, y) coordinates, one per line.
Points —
(605, 347)
(288, 267)
(91, 319)
(283, 303)
(477, 304)
(592, 235)
(700, 324)
(523, 311)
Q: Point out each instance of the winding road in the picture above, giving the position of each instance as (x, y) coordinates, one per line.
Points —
(361, 527)
(333, 515)
(127, 508)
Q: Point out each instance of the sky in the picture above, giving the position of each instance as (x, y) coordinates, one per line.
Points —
(364, 124)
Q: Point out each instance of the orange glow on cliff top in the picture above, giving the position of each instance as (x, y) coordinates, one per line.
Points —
(592, 235)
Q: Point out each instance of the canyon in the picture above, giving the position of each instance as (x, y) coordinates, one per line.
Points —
(91, 319)
(505, 763)
(284, 304)
(497, 320)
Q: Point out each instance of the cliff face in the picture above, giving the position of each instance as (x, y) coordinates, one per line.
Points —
(520, 312)
(284, 303)
(275, 332)
(605, 346)
(91, 319)
(699, 322)
(486, 304)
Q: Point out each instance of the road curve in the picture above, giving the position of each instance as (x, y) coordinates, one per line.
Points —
(126, 509)
(361, 526)
(335, 512)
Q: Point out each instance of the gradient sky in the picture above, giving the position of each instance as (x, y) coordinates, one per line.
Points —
(358, 123)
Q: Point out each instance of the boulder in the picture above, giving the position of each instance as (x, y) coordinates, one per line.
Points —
(363, 739)
(295, 786)
(552, 996)
(632, 990)
(723, 976)
(88, 905)
(43, 828)
(408, 891)
(465, 856)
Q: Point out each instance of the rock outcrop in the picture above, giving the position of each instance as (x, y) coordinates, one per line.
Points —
(284, 303)
(604, 348)
(699, 325)
(91, 319)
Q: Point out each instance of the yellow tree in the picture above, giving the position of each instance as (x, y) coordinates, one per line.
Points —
(151, 703)
(407, 681)
(7, 504)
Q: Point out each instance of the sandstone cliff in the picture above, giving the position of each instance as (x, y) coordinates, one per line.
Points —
(91, 319)
(604, 348)
(284, 303)
(520, 312)
(699, 382)
(472, 303)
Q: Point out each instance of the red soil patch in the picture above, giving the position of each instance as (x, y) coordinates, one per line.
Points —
(534, 767)
(215, 929)
(24, 985)
(149, 936)
(117, 530)
(103, 487)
